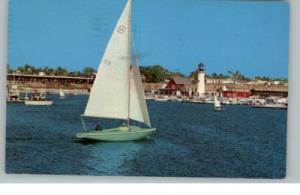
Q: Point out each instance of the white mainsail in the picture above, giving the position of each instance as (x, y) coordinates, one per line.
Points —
(138, 109)
(217, 102)
(109, 97)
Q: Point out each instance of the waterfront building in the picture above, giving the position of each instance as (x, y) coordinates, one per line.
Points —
(36, 81)
(267, 92)
(236, 93)
(153, 88)
(179, 86)
(42, 74)
(218, 81)
(257, 82)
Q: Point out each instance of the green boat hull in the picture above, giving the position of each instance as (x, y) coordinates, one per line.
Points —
(117, 134)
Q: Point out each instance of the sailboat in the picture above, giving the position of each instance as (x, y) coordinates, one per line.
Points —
(61, 93)
(13, 95)
(117, 92)
(218, 105)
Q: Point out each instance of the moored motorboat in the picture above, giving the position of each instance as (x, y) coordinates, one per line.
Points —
(38, 102)
(162, 98)
(37, 98)
(274, 106)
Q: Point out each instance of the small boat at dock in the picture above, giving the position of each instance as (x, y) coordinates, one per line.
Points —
(37, 98)
(149, 98)
(273, 106)
(162, 98)
(13, 95)
(270, 102)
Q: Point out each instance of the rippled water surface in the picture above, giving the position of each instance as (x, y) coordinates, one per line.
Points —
(192, 140)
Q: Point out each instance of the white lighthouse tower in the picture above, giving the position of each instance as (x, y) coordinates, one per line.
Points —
(201, 81)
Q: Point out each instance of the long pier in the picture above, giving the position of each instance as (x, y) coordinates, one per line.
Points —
(50, 81)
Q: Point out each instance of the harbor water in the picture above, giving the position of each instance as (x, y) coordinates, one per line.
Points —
(192, 140)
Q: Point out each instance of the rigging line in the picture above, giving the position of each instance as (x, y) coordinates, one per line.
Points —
(82, 122)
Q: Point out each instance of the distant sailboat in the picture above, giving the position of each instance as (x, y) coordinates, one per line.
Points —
(13, 95)
(117, 92)
(61, 93)
(218, 105)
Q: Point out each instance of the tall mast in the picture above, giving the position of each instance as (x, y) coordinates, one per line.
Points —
(129, 59)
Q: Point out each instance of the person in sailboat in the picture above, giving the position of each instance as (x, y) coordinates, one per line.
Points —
(98, 127)
(124, 125)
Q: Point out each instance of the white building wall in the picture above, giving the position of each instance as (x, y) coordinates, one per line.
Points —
(201, 84)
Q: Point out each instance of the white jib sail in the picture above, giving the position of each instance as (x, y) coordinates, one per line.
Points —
(109, 95)
(217, 102)
(138, 108)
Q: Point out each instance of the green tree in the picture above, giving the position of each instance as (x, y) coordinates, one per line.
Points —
(178, 74)
(61, 71)
(263, 78)
(194, 75)
(237, 76)
(26, 69)
(88, 72)
(75, 74)
(46, 70)
(214, 75)
(9, 70)
(157, 73)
